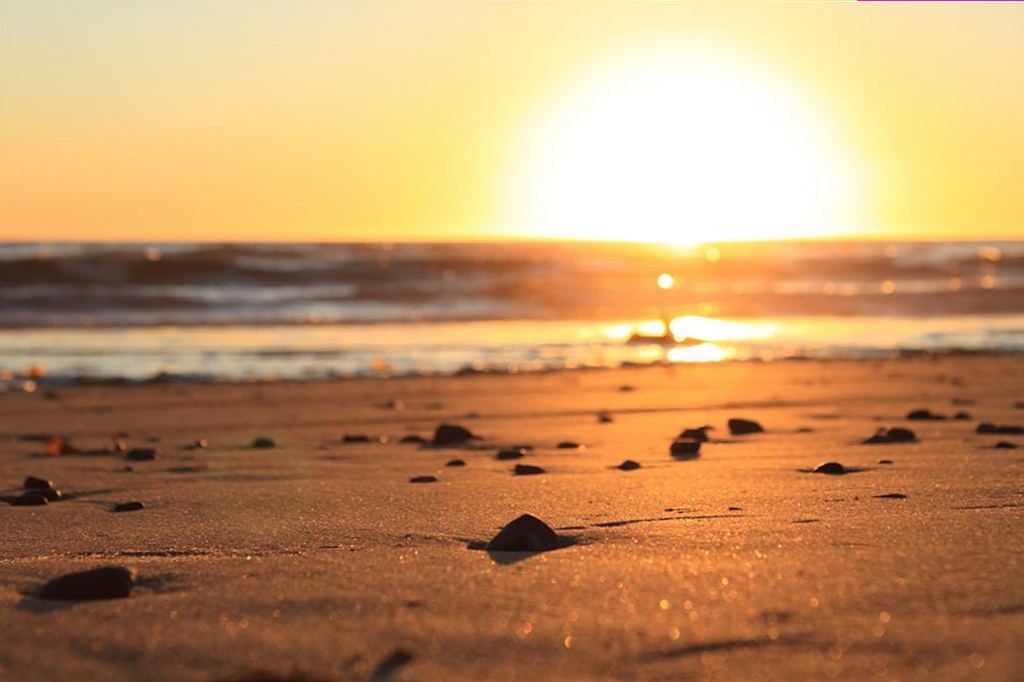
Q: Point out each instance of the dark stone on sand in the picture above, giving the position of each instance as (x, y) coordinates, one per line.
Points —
(735, 508)
(626, 388)
(742, 427)
(805, 429)
(423, 479)
(924, 415)
(685, 449)
(355, 438)
(32, 482)
(525, 534)
(32, 498)
(1004, 430)
(128, 506)
(142, 454)
(962, 416)
(891, 496)
(830, 468)
(263, 442)
(569, 445)
(894, 435)
(128, 469)
(527, 470)
(452, 434)
(387, 668)
(1006, 445)
(198, 444)
(604, 418)
(885, 461)
(510, 454)
(455, 463)
(699, 434)
(419, 440)
(109, 582)
(51, 494)
(629, 465)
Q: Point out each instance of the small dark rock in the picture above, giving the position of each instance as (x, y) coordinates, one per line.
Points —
(805, 429)
(128, 468)
(109, 582)
(51, 494)
(455, 463)
(924, 415)
(452, 434)
(742, 427)
(629, 465)
(525, 534)
(413, 438)
(510, 454)
(699, 434)
(33, 498)
(604, 417)
(387, 668)
(885, 461)
(627, 388)
(263, 442)
(891, 496)
(423, 479)
(685, 449)
(735, 508)
(962, 416)
(569, 445)
(198, 444)
(355, 438)
(894, 435)
(128, 506)
(32, 482)
(830, 468)
(143, 454)
(1004, 430)
(1006, 445)
(527, 470)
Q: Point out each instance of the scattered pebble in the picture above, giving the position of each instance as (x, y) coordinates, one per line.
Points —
(263, 442)
(627, 388)
(355, 438)
(128, 506)
(33, 482)
(685, 449)
(699, 434)
(392, 664)
(604, 417)
(892, 496)
(527, 470)
(742, 427)
(962, 416)
(198, 444)
(455, 463)
(735, 508)
(894, 435)
(117, 445)
(1004, 429)
(525, 534)
(510, 454)
(58, 445)
(830, 468)
(146, 454)
(1006, 445)
(805, 429)
(109, 582)
(51, 494)
(569, 445)
(30, 499)
(413, 438)
(629, 465)
(885, 461)
(924, 415)
(452, 434)
(423, 479)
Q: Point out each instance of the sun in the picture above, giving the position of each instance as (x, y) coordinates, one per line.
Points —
(681, 148)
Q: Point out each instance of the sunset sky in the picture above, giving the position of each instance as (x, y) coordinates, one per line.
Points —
(677, 122)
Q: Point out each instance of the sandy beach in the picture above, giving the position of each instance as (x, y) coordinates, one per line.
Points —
(319, 559)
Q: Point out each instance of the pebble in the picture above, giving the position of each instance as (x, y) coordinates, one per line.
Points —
(699, 434)
(423, 479)
(143, 454)
(742, 427)
(51, 494)
(455, 463)
(510, 454)
(525, 534)
(1003, 429)
(452, 434)
(894, 435)
(830, 468)
(891, 496)
(569, 445)
(30, 499)
(128, 506)
(198, 444)
(58, 445)
(924, 415)
(419, 440)
(685, 449)
(1006, 445)
(885, 461)
(263, 442)
(355, 438)
(962, 416)
(527, 470)
(109, 582)
(604, 417)
(629, 465)
(33, 482)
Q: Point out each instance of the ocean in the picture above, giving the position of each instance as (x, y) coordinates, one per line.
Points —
(73, 312)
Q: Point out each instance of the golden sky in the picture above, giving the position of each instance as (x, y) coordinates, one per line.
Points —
(678, 121)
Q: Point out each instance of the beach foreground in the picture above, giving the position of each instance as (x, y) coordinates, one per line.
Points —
(319, 559)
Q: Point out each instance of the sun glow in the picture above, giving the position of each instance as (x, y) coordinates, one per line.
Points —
(682, 149)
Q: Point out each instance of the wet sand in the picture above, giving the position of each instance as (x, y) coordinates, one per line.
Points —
(319, 559)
